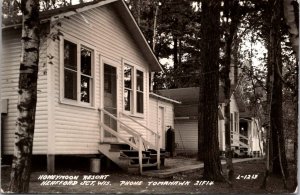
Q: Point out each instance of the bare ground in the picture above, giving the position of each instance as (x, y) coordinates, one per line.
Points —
(241, 185)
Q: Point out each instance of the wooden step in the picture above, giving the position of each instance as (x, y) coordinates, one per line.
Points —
(132, 158)
(144, 165)
(154, 156)
(162, 151)
(135, 160)
(134, 153)
(119, 146)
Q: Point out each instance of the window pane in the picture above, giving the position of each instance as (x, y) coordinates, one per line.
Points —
(127, 99)
(231, 122)
(127, 76)
(86, 61)
(140, 102)
(85, 89)
(139, 80)
(70, 57)
(70, 84)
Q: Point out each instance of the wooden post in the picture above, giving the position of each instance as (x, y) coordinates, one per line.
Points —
(140, 154)
(158, 151)
(50, 163)
(101, 128)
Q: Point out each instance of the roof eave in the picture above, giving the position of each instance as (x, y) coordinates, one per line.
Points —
(81, 9)
(164, 98)
(138, 35)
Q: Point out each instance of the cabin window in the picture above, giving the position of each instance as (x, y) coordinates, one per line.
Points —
(139, 91)
(231, 122)
(128, 94)
(236, 121)
(86, 74)
(70, 70)
(133, 90)
(78, 75)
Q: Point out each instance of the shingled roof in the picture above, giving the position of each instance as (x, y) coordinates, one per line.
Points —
(187, 95)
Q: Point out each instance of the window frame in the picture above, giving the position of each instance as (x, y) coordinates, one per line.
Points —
(79, 45)
(139, 91)
(236, 121)
(133, 106)
(131, 89)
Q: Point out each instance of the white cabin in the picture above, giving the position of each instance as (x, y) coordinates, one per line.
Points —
(186, 123)
(93, 84)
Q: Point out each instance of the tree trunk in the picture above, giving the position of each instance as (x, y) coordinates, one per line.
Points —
(231, 11)
(154, 28)
(139, 12)
(20, 174)
(200, 115)
(276, 103)
(175, 52)
(210, 45)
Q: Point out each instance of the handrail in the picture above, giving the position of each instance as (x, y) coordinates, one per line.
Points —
(141, 140)
(129, 129)
(157, 146)
(244, 137)
(127, 116)
(107, 128)
(240, 135)
(243, 144)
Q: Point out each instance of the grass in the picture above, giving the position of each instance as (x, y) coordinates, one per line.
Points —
(115, 178)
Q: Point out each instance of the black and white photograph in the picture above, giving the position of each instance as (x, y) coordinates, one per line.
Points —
(149, 96)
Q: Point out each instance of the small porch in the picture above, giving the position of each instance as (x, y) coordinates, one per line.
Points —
(126, 146)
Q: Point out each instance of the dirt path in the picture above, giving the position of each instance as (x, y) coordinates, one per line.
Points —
(112, 182)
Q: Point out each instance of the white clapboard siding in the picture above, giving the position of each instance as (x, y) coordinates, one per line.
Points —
(11, 48)
(154, 105)
(76, 129)
(234, 108)
(186, 135)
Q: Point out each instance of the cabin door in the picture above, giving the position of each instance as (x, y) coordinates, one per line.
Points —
(161, 126)
(110, 100)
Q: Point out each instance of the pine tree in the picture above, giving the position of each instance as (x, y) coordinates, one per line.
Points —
(208, 111)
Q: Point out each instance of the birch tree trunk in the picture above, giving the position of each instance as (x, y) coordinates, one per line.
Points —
(20, 173)
(210, 45)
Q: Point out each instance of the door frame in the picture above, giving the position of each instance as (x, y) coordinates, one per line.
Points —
(162, 129)
(116, 64)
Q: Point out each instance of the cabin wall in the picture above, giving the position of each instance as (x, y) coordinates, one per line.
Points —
(186, 135)
(255, 136)
(234, 109)
(76, 127)
(221, 126)
(168, 120)
(11, 52)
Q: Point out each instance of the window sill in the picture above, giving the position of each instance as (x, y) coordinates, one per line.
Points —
(142, 116)
(77, 104)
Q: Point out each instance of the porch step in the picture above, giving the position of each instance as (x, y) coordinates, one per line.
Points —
(134, 153)
(135, 160)
(116, 147)
(127, 158)
(144, 165)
